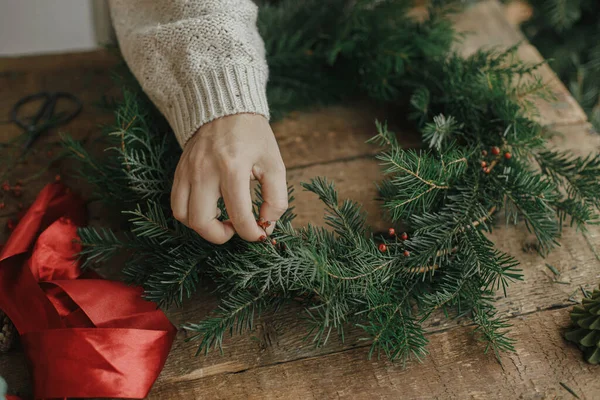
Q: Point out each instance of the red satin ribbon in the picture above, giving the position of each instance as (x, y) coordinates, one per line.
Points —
(83, 336)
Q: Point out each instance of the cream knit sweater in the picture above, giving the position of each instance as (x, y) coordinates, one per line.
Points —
(197, 60)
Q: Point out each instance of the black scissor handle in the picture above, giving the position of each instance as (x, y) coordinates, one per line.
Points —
(14, 113)
(46, 110)
(69, 116)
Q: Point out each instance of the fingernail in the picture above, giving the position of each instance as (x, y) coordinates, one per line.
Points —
(262, 238)
(268, 223)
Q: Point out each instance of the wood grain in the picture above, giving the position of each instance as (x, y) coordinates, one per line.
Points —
(457, 368)
(280, 338)
(275, 361)
(41, 64)
(332, 134)
(88, 80)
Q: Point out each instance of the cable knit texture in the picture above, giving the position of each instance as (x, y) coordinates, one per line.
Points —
(197, 60)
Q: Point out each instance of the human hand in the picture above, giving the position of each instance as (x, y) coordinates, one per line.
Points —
(221, 159)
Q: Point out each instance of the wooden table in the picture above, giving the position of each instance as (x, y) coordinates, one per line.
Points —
(274, 362)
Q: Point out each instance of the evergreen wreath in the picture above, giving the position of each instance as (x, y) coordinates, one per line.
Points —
(484, 154)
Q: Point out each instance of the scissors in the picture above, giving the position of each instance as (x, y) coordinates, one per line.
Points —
(45, 118)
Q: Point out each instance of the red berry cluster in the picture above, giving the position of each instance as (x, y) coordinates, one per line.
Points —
(392, 232)
(495, 150)
(16, 191)
(264, 224)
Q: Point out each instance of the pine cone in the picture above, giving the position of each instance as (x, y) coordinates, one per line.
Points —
(585, 331)
(7, 333)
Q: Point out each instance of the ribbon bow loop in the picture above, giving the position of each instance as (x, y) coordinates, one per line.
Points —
(84, 336)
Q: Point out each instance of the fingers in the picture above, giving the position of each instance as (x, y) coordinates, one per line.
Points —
(203, 213)
(236, 193)
(180, 194)
(275, 196)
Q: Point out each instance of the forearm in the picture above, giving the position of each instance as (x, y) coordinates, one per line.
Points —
(196, 60)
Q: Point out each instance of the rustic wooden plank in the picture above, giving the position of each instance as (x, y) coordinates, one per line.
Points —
(88, 123)
(47, 62)
(280, 338)
(457, 368)
(332, 133)
(485, 26)
(13, 85)
(86, 75)
(89, 85)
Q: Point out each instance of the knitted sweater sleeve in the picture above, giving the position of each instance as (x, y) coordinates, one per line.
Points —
(197, 60)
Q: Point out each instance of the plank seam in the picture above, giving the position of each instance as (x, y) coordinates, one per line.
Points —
(552, 307)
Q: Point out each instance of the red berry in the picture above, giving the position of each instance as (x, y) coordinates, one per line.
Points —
(495, 150)
(5, 186)
(392, 232)
(404, 236)
(507, 155)
(487, 170)
(263, 223)
(10, 224)
(406, 253)
(2, 205)
(273, 242)
(483, 164)
(382, 247)
(57, 178)
(484, 153)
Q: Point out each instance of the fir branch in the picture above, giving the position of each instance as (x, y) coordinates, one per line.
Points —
(492, 330)
(236, 314)
(531, 196)
(173, 284)
(99, 245)
(422, 178)
(441, 130)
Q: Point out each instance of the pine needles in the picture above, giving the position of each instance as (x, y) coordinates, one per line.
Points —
(567, 32)
(447, 196)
